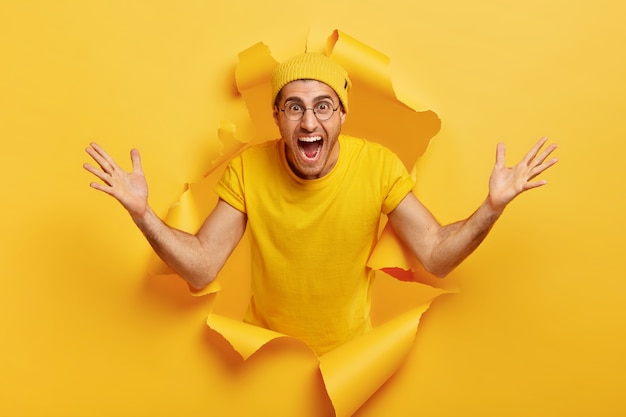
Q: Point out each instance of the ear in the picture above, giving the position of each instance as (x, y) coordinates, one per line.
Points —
(342, 115)
(275, 115)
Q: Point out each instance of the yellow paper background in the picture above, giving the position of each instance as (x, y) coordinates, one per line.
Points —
(538, 325)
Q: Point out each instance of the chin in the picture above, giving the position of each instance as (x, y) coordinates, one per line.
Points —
(309, 172)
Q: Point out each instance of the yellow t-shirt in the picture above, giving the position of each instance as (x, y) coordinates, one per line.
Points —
(311, 239)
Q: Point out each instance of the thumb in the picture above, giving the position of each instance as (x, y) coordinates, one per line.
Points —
(500, 155)
(136, 160)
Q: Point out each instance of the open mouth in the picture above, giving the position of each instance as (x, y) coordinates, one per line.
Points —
(310, 147)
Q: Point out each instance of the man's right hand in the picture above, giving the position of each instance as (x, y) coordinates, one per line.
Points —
(129, 188)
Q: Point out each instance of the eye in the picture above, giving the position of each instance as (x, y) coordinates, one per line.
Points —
(323, 106)
(293, 107)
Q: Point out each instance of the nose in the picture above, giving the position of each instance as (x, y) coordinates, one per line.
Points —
(309, 121)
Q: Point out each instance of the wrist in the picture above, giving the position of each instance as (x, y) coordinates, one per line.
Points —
(494, 208)
(142, 218)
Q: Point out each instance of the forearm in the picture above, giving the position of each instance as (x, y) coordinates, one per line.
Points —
(456, 241)
(196, 258)
(441, 248)
(181, 251)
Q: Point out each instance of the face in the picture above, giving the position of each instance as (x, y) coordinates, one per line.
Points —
(311, 145)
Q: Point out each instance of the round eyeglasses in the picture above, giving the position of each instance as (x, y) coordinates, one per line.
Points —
(323, 110)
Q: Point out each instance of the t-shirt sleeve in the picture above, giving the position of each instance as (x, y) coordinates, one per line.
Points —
(400, 184)
(231, 187)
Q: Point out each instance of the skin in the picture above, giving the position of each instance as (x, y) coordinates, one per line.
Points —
(308, 93)
(198, 257)
(441, 248)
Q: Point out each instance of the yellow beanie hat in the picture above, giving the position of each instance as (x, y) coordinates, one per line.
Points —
(312, 66)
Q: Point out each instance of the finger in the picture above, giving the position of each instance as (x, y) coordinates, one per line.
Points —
(534, 150)
(101, 157)
(101, 187)
(135, 157)
(538, 169)
(104, 165)
(535, 184)
(542, 167)
(545, 154)
(98, 173)
(500, 155)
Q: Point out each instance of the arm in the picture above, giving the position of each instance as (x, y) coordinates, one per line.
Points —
(441, 248)
(197, 258)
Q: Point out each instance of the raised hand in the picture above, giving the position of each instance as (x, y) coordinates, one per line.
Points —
(506, 183)
(129, 188)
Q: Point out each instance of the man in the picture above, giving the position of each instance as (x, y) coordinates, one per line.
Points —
(312, 201)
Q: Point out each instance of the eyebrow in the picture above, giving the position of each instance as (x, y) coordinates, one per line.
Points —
(315, 100)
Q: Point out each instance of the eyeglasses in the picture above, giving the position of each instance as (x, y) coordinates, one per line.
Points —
(323, 110)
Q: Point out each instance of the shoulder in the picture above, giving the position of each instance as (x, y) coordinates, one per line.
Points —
(259, 149)
(253, 155)
(366, 148)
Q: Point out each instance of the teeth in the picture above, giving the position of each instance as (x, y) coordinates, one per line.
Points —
(310, 139)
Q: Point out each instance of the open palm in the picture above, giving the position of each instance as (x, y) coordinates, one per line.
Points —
(129, 188)
(506, 183)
